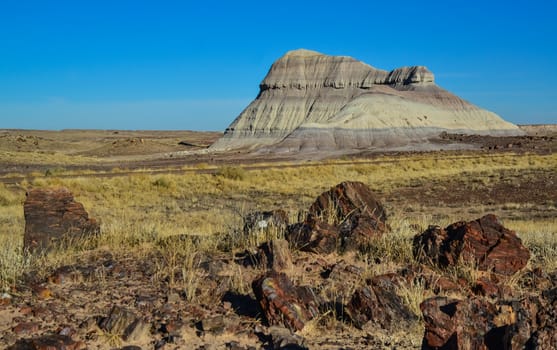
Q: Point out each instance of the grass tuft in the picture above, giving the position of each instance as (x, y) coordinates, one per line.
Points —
(232, 173)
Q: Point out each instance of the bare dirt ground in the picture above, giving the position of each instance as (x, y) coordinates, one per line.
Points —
(99, 142)
(130, 150)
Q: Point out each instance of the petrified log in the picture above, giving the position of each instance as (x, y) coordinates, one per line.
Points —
(283, 303)
(48, 342)
(379, 303)
(52, 214)
(275, 255)
(345, 217)
(483, 242)
(530, 323)
(469, 324)
(354, 208)
(314, 236)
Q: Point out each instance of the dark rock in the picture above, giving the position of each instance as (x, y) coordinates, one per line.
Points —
(171, 328)
(118, 320)
(343, 272)
(473, 324)
(136, 330)
(345, 217)
(483, 242)
(283, 338)
(431, 279)
(48, 342)
(161, 344)
(524, 316)
(214, 324)
(213, 265)
(487, 287)
(314, 236)
(67, 330)
(438, 315)
(352, 207)
(88, 325)
(445, 284)
(543, 339)
(339, 280)
(537, 279)
(379, 303)
(283, 303)
(243, 305)
(265, 221)
(52, 215)
(234, 345)
(545, 336)
(275, 255)
(26, 328)
(125, 324)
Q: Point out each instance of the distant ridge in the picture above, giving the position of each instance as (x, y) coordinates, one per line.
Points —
(311, 101)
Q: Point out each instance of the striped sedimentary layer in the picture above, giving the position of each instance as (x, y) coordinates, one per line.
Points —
(313, 101)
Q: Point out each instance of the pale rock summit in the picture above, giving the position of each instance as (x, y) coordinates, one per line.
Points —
(311, 101)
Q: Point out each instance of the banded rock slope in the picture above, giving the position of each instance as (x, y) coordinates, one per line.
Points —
(311, 101)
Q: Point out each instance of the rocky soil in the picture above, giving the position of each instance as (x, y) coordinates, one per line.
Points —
(307, 286)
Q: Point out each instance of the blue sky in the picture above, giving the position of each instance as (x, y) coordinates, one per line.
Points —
(196, 65)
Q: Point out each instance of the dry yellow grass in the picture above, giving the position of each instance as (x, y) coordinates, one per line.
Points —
(540, 236)
(135, 210)
(46, 158)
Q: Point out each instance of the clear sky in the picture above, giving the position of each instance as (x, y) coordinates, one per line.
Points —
(196, 65)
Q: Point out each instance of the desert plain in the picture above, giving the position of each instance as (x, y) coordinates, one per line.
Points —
(175, 261)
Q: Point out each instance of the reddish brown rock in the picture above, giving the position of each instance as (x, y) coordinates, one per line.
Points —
(52, 214)
(275, 255)
(344, 273)
(26, 328)
(48, 342)
(283, 303)
(314, 236)
(345, 217)
(530, 323)
(445, 284)
(432, 280)
(486, 287)
(454, 324)
(352, 207)
(483, 242)
(545, 323)
(378, 302)
(438, 315)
